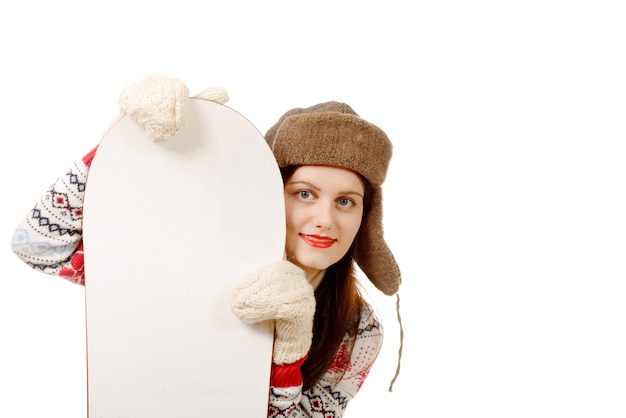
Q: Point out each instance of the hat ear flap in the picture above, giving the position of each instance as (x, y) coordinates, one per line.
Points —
(372, 253)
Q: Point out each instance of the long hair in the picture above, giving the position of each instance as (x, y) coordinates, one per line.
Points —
(339, 305)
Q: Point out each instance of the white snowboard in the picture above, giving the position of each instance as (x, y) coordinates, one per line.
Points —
(168, 229)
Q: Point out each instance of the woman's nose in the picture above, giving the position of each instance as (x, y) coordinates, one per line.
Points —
(323, 216)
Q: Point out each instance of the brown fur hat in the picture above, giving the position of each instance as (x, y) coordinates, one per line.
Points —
(333, 134)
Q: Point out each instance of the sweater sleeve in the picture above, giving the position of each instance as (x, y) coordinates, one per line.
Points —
(50, 237)
(330, 396)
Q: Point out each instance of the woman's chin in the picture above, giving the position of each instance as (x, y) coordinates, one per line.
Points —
(312, 266)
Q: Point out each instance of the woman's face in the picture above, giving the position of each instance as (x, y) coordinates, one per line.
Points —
(324, 208)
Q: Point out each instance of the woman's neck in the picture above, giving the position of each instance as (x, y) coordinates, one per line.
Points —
(315, 277)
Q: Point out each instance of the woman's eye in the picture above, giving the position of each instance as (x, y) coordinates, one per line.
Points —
(304, 194)
(344, 202)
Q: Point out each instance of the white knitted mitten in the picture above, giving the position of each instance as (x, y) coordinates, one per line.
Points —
(282, 293)
(160, 105)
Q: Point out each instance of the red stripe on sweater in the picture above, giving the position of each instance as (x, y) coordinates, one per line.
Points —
(89, 156)
(287, 375)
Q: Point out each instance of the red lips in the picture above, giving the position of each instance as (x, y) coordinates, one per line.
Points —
(318, 241)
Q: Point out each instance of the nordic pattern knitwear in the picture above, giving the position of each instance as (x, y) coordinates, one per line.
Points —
(49, 238)
(331, 395)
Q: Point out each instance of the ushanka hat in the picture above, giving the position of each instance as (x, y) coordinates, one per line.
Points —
(333, 134)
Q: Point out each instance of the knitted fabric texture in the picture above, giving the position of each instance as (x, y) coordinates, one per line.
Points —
(160, 105)
(215, 94)
(280, 292)
(49, 238)
(333, 134)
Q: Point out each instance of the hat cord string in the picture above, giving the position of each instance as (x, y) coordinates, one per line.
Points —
(401, 343)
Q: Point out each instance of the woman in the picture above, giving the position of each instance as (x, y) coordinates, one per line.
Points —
(327, 336)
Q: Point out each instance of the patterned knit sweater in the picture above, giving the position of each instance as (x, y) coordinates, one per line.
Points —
(49, 239)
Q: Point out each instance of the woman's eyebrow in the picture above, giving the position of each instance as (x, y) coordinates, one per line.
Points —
(352, 192)
(303, 182)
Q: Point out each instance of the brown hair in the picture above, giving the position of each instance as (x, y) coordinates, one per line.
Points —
(339, 305)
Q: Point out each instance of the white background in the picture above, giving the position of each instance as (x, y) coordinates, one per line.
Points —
(505, 203)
